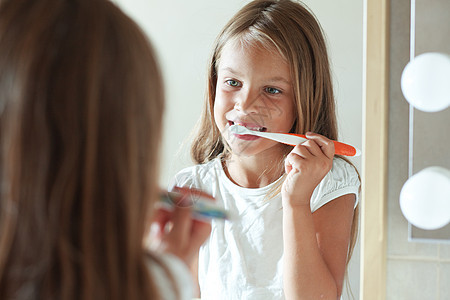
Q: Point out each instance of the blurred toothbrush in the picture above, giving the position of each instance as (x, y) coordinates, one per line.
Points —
(201, 204)
(293, 139)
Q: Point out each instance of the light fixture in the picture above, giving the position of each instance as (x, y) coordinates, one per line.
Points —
(425, 83)
(425, 198)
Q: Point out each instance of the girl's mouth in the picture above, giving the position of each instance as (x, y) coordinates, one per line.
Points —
(253, 127)
(248, 137)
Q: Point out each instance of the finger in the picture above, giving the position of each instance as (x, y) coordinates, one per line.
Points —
(200, 231)
(287, 166)
(181, 225)
(161, 216)
(325, 144)
(313, 148)
(302, 150)
(293, 162)
(159, 221)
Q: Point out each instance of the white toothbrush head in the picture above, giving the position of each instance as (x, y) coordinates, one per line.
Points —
(239, 129)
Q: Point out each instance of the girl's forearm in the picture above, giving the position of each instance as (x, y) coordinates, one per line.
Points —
(306, 275)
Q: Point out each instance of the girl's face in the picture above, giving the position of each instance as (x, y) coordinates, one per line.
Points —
(254, 89)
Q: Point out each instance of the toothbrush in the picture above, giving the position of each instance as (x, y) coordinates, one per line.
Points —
(294, 139)
(202, 206)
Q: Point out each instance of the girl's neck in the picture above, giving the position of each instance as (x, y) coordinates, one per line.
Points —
(254, 171)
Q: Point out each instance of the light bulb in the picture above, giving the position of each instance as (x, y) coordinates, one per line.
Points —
(425, 82)
(425, 198)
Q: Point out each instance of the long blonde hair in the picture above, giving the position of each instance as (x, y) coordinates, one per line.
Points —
(81, 103)
(292, 29)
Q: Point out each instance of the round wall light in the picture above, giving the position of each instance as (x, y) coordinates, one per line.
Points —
(425, 198)
(425, 82)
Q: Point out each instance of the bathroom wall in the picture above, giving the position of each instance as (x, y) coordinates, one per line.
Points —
(415, 270)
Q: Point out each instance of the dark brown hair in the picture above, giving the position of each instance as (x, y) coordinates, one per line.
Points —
(81, 103)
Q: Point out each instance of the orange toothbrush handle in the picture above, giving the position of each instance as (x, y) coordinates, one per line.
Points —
(339, 147)
(344, 149)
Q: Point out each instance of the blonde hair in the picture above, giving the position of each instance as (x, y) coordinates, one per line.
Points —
(81, 100)
(290, 28)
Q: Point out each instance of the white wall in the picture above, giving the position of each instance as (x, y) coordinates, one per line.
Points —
(183, 33)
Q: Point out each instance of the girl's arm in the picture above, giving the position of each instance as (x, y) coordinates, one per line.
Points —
(315, 249)
(315, 244)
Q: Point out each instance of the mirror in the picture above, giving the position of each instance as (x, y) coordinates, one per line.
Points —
(183, 38)
(384, 235)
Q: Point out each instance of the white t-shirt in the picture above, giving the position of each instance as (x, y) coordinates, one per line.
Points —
(242, 259)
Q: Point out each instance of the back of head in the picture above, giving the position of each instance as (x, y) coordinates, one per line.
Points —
(80, 116)
(289, 28)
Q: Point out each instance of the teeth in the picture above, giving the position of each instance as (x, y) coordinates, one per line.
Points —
(251, 128)
(260, 129)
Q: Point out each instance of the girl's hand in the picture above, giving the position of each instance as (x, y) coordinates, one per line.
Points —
(175, 231)
(306, 166)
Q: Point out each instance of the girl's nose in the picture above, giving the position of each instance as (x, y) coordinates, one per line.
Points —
(247, 102)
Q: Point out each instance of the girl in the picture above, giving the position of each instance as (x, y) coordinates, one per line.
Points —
(81, 101)
(295, 208)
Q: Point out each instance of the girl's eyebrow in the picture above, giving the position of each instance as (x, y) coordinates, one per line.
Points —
(278, 79)
(231, 70)
(273, 79)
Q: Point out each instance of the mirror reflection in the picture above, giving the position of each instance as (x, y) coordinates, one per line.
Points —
(258, 72)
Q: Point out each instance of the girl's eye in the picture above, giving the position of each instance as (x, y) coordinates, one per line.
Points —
(232, 82)
(272, 90)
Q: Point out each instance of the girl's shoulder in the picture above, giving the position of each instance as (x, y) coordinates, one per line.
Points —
(342, 179)
(193, 176)
(343, 168)
(342, 174)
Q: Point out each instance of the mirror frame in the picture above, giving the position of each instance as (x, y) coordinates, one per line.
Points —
(375, 142)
